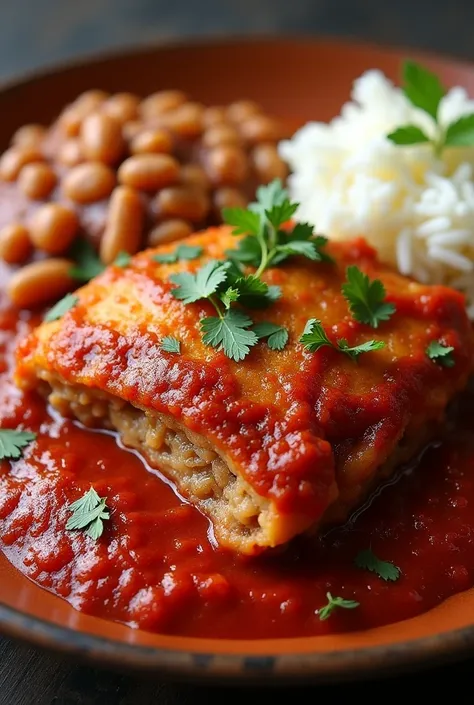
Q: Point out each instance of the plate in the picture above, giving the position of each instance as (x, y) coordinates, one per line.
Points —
(298, 80)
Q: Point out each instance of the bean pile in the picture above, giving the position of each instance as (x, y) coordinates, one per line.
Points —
(125, 173)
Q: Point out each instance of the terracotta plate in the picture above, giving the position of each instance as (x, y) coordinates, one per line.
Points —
(298, 80)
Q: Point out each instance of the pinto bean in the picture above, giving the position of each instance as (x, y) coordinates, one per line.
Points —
(123, 229)
(53, 227)
(149, 172)
(102, 139)
(37, 180)
(40, 282)
(89, 182)
(15, 243)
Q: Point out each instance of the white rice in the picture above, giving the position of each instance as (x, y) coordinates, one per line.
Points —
(416, 209)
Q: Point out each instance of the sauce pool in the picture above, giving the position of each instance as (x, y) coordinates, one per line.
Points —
(157, 567)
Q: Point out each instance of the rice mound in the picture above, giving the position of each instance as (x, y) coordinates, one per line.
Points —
(416, 209)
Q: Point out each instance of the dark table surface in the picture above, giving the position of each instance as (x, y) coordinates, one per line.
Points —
(34, 33)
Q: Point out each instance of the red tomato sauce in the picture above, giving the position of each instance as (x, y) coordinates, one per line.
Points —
(157, 567)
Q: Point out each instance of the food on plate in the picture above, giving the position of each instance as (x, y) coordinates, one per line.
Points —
(120, 173)
(249, 429)
(273, 377)
(397, 167)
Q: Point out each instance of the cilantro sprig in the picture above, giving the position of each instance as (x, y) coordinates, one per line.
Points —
(89, 513)
(367, 560)
(441, 354)
(425, 91)
(223, 284)
(265, 243)
(366, 298)
(12, 442)
(230, 329)
(315, 337)
(334, 603)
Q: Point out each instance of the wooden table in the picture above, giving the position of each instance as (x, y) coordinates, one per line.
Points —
(47, 31)
(32, 677)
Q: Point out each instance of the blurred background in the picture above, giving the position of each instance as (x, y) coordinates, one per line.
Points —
(35, 33)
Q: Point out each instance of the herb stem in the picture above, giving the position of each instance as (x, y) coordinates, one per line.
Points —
(213, 301)
(265, 257)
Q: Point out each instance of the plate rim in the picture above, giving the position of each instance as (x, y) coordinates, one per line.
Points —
(344, 665)
(21, 78)
(193, 666)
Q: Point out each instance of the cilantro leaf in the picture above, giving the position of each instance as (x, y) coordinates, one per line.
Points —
(333, 603)
(461, 132)
(277, 336)
(89, 511)
(273, 293)
(171, 344)
(255, 293)
(243, 220)
(408, 134)
(252, 291)
(280, 213)
(229, 296)
(315, 337)
(122, 259)
(304, 231)
(422, 88)
(182, 252)
(366, 298)
(354, 352)
(206, 281)
(61, 307)
(12, 442)
(229, 333)
(249, 251)
(87, 262)
(367, 560)
(250, 285)
(299, 247)
(189, 251)
(441, 354)
(269, 196)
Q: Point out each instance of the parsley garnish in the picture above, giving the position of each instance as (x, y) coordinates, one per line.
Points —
(122, 259)
(441, 354)
(171, 344)
(88, 514)
(229, 332)
(202, 285)
(314, 337)
(333, 603)
(230, 329)
(252, 291)
(182, 252)
(366, 298)
(425, 91)
(266, 244)
(61, 307)
(12, 442)
(87, 262)
(277, 336)
(367, 560)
